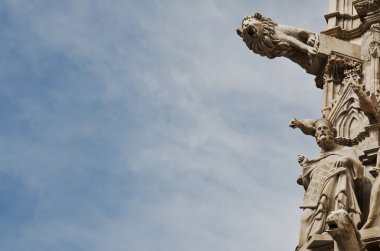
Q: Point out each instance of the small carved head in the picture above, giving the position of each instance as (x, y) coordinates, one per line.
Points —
(251, 27)
(337, 223)
(294, 123)
(325, 133)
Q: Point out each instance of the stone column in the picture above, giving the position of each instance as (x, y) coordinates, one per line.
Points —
(342, 14)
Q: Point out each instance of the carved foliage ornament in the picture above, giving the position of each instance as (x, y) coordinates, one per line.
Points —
(371, 43)
(340, 69)
(365, 6)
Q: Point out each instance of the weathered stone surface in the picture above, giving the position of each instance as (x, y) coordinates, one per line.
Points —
(330, 181)
(267, 38)
(319, 242)
(345, 58)
(343, 230)
(329, 44)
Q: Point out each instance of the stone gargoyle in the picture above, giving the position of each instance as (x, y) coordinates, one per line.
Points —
(342, 229)
(267, 38)
(368, 103)
(307, 126)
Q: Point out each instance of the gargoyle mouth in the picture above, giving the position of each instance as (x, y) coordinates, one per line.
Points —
(331, 226)
(293, 125)
(251, 31)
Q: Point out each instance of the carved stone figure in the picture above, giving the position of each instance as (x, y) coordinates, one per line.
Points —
(307, 126)
(374, 211)
(267, 38)
(344, 232)
(368, 104)
(329, 181)
(345, 58)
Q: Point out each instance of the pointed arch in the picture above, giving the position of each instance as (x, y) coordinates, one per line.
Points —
(348, 123)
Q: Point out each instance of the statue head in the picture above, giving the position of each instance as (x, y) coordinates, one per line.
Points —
(260, 35)
(337, 223)
(325, 134)
(251, 27)
(341, 226)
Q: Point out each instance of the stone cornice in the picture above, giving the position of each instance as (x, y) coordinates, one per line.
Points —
(340, 15)
(366, 21)
(338, 32)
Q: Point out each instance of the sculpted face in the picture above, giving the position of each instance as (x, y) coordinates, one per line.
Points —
(336, 223)
(324, 135)
(250, 29)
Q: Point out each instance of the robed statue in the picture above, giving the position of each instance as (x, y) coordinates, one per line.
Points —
(330, 182)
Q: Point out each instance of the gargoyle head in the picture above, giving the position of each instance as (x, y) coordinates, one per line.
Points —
(251, 28)
(338, 223)
(294, 123)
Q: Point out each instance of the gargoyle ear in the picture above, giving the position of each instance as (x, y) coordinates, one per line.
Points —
(258, 16)
(239, 31)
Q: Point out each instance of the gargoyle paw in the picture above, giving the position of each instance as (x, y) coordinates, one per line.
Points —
(312, 51)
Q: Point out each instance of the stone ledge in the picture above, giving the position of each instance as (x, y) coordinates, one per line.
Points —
(327, 45)
(319, 242)
(371, 235)
(371, 238)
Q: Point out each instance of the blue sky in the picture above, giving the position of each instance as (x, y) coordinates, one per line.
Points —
(148, 125)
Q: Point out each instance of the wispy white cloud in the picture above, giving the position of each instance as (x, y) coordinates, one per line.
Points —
(149, 126)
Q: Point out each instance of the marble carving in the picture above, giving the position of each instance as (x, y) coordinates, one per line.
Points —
(329, 181)
(341, 204)
(267, 38)
(342, 229)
